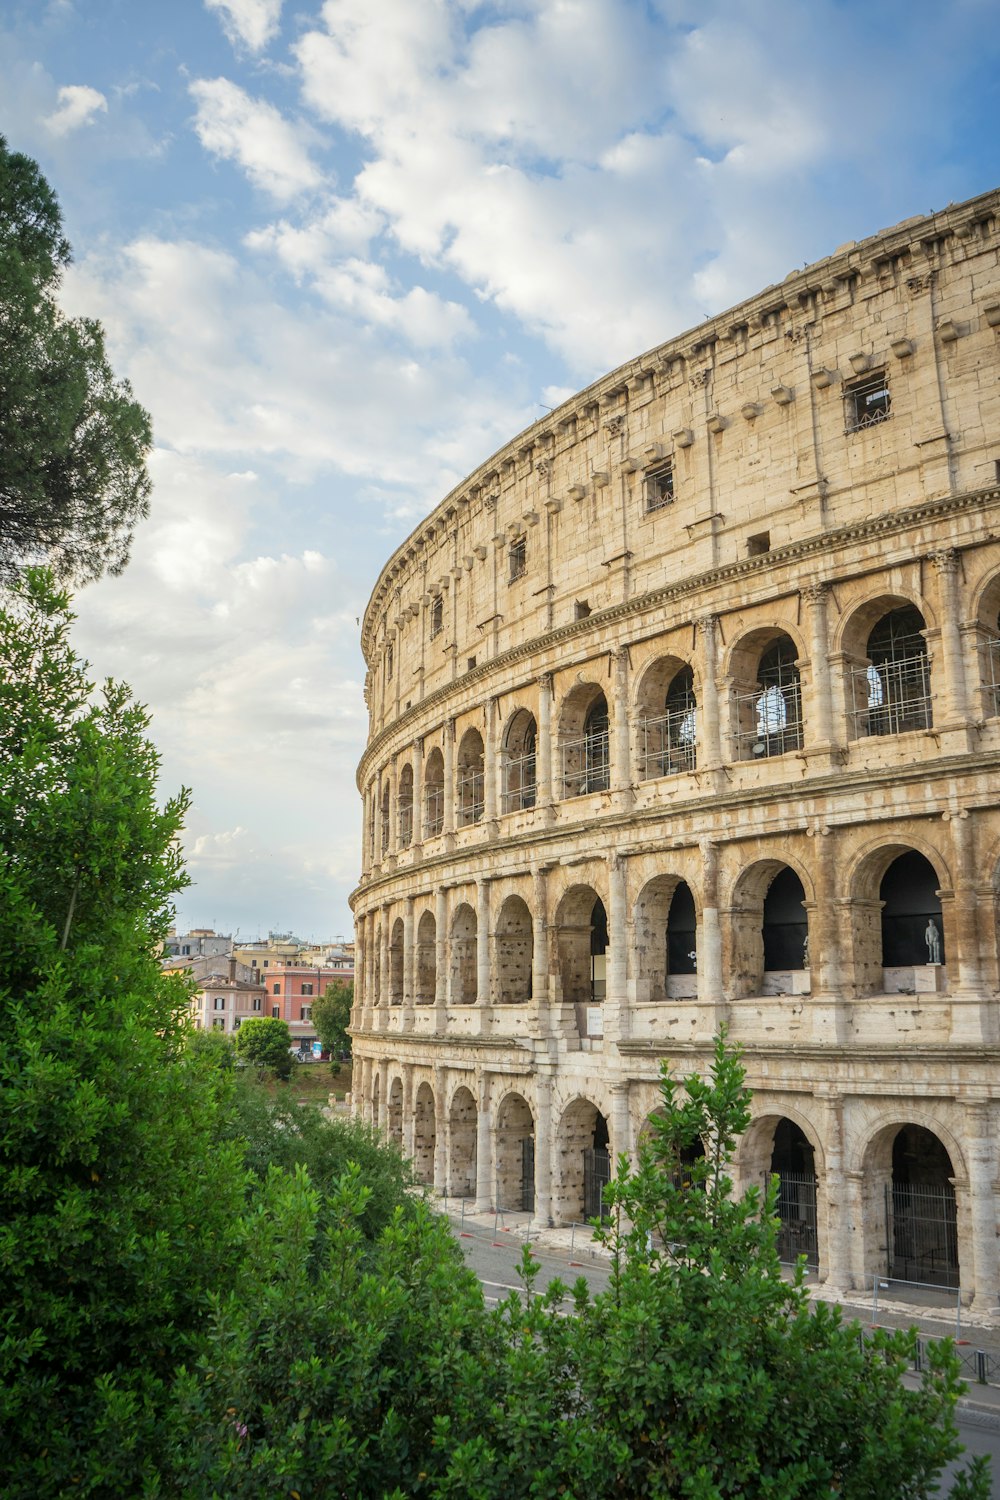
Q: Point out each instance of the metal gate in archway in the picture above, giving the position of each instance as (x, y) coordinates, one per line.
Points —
(596, 1176)
(528, 1174)
(922, 1234)
(797, 1234)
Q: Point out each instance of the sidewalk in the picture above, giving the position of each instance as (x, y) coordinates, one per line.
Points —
(929, 1311)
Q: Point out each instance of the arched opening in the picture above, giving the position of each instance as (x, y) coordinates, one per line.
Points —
(424, 1134)
(584, 742)
(394, 1117)
(668, 721)
(891, 693)
(471, 778)
(665, 941)
(519, 786)
(396, 963)
(515, 1155)
(585, 1161)
(434, 794)
(768, 932)
(921, 1210)
(376, 1091)
(681, 1163)
(377, 996)
(404, 807)
(463, 956)
(768, 698)
(793, 1163)
(462, 1145)
(785, 930)
(912, 925)
(582, 942)
(513, 952)
(682, 936)
(426, 959)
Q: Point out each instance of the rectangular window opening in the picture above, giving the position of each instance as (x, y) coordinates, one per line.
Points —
(388, 663)
(867, 402)
(518, 558)
(470, 664)
(659, 486)
(437, 617)
(759, 544)
(581, 609)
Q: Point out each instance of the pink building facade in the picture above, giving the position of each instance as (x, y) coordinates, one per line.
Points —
(291, 991)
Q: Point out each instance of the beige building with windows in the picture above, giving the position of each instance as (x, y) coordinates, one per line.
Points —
(685, 710)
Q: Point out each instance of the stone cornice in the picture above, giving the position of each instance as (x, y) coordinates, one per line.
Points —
(819, 543)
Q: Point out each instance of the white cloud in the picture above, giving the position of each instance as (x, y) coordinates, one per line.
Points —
(248, 23)
(252, 133)
(78, 104)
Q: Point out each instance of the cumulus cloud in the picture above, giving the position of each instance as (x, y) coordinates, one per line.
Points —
(248, 23)
(78, 104)
(273, 153)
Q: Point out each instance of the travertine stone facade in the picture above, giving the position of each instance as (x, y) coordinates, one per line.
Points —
(685, 709)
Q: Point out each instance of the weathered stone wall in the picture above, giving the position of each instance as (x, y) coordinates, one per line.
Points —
(734, 613)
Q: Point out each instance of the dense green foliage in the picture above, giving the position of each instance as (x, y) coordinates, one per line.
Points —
(331, 1016)
(73, 441)
(113, 1186)
(266, 1042)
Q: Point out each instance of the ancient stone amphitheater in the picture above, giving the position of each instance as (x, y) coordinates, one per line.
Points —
(685, 710)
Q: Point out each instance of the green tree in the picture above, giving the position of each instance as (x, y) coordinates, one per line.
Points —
(265, 1041)
(331, 1016)
(73, 441)
(119, 1208)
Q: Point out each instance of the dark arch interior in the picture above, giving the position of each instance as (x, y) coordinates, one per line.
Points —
(896, 636)
(598, 950)
(681, 932)
(791, 1151)
(911, 908)
(785, 925)
(919, 1159)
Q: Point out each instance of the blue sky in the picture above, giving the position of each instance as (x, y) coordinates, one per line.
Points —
(343, 251)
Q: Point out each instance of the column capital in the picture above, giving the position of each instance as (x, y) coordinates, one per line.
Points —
(815, 593)
(545, 682)
(706, 626)
(946, 561)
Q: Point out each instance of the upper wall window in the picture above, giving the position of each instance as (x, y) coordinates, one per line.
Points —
(659, 486)
(868, 402)
(517, 557)
(388, 662)
(437, 616)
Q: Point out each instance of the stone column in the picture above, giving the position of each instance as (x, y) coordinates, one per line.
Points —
(972, 1011)
(448, 747)
(440, 1131)
(543, 1148)
(491, 763)
(621, 776)
(834, 1214)
(383, 1095)
(543, 744)
(616, 1015)
(484, 1149)
(408, 1120)
(709, 944)
(620, 1122)
(408, 964)
(539, 949)
(483, 941)
(946, 564)
(383, 955)
(418, 793)
(708, 704)
(821, 733)
(982, 1205)
(827, 1006)
(442, 949)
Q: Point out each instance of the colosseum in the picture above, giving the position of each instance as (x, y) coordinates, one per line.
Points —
(685, 711)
